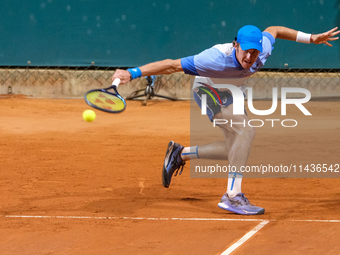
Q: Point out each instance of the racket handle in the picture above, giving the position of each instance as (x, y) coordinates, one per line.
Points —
(116, 82)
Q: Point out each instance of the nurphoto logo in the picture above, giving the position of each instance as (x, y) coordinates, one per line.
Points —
(238, 105)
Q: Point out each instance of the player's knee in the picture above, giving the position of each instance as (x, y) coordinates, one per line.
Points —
(248, 133)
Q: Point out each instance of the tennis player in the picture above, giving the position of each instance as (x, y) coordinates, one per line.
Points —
(236, 62)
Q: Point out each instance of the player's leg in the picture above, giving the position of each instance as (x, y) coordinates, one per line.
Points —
(235, 148)
(239, 138)
(176, 155)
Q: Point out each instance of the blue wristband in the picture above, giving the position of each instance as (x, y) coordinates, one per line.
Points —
(135, 72)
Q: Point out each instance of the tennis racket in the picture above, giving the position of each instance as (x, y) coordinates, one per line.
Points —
(105, 100)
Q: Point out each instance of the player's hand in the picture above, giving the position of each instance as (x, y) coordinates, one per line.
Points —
(325, 37)
(123, 75)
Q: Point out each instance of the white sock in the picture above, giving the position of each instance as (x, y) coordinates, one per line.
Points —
(189, 153)
(234, 184)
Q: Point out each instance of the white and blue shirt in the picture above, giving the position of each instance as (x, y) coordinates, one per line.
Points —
(220, 62)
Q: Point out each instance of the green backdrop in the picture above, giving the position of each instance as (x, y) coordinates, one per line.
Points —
(132, 33)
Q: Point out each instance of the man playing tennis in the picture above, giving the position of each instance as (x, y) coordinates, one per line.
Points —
(236, 62)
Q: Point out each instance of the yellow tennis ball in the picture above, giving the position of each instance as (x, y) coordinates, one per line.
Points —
(89, 115)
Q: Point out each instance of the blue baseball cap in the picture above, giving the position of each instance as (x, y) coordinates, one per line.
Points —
(250, 37)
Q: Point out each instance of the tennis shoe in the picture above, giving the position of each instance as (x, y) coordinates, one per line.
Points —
(172, 162)
(239, 204)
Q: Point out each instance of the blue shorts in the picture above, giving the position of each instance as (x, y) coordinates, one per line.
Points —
(213, 105)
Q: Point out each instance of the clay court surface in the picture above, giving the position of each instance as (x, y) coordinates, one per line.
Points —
(72, 187)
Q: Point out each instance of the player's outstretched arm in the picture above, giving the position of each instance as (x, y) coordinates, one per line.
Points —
(167, 66)
(293, 35)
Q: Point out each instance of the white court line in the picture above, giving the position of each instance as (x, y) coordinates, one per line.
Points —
(337, 221)
(148, 218)
(226, 252)
(245, 238)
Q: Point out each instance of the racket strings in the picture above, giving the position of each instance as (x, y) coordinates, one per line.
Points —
(105, 101)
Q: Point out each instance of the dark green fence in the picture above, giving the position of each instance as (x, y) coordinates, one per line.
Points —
(132, 33)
